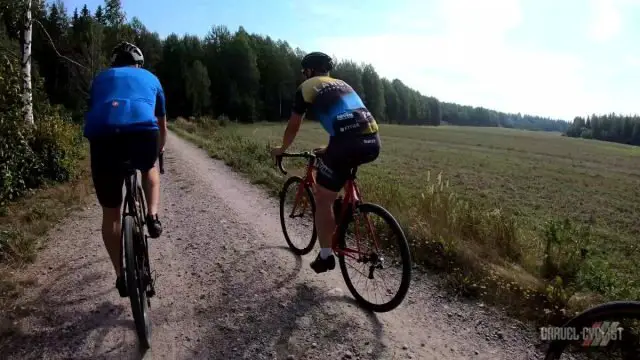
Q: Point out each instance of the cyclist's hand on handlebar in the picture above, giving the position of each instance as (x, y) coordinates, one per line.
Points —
(320, 150)
(277, 151)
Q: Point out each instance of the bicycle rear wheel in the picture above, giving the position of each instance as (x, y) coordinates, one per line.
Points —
(143, 205)
(145, 267)
(372, 256)
(135, 281)
(611, 315)
(305, 206)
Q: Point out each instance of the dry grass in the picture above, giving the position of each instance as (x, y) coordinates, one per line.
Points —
(525, 219)
(24, 223)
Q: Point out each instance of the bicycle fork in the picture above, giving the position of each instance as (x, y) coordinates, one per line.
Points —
(148, 279)
(143, 258)
(376, 261)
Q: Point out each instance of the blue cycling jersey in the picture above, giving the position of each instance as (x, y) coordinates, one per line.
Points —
(124, 99)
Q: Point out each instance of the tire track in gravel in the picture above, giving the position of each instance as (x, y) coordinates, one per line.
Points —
(228, 288)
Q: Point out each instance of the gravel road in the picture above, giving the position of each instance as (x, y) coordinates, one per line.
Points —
(228, 288)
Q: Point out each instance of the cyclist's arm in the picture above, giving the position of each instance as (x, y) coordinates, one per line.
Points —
(299, 108)
(161, 114)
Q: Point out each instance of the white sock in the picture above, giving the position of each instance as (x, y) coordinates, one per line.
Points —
(325, 252)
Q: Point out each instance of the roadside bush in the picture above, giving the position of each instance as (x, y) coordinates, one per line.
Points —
(31, 156)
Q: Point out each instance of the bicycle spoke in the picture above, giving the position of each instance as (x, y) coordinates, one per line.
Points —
(298, 223)
(365, 238)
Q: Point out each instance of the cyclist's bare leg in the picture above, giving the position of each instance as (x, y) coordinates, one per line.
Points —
(111, 235)
(151, 187)
(325, 221)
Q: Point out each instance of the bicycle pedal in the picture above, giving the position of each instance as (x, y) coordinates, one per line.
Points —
(151, 290)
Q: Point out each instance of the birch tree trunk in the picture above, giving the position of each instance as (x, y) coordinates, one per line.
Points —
(27, 96)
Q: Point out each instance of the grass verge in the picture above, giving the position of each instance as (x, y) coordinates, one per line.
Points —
(484, 252)
(25, 222)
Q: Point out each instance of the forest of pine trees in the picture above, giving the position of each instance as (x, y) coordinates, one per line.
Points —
(247, 77)
(612, 127)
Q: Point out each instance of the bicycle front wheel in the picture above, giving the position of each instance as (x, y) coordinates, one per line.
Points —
(297, 202)
(601, 332)
(134, 279)
(364, 256)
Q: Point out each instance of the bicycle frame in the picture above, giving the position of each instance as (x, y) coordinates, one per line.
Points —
(352, 198)
(130, 183)
(128, 206)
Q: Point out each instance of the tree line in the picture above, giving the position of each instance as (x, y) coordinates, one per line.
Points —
(246, 77)
(30, 156)
(612, 127)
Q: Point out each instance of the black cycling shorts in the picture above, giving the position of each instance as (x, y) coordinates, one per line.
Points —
(110, 152)
(344, 154)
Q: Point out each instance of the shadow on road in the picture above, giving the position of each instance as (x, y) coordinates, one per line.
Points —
(282, 280)
(69, 316)
(263, 312)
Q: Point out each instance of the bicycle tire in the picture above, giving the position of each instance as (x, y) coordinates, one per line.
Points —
(296, 180)
(405, 255)
(137, 294)
(144, 246)
(613, 310)
(143, 205)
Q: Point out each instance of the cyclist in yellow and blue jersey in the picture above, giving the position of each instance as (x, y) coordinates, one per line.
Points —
(353, 141)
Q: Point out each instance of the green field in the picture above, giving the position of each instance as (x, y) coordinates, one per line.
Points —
(531, 177)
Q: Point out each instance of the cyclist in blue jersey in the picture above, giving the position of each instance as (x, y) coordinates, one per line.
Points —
(126, 121)
(353, 141)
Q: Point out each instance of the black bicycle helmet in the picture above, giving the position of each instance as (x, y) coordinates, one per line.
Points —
(126, 53)
(317, 61)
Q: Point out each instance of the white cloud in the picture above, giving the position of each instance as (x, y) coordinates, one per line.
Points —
(632, 61)
(469, 61)
(471, 72)
(606, 20)
(464, 51)
(480, 19)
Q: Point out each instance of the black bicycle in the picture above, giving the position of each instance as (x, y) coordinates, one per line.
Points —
(599, 333)
(136, 253)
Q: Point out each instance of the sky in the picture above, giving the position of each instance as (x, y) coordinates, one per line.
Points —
(555, 58)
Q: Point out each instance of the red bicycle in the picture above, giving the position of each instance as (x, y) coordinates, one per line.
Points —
(358, 214)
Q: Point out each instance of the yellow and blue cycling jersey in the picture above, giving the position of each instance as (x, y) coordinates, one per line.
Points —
(335, 105)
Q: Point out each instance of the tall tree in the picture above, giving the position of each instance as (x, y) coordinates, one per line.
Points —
(113, 13)
(241, 64)
(197, 85)
(373, 92)
(100, 15)
(249, 76)
(26, 65)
